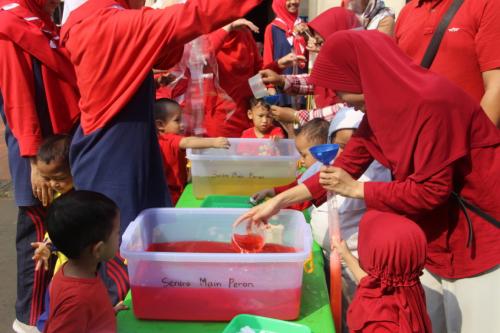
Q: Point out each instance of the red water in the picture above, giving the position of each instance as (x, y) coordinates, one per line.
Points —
(216, 247)
(213, 304)
(219, 303)
(250, 243)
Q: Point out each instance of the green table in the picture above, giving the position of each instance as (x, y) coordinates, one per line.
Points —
(314, 311)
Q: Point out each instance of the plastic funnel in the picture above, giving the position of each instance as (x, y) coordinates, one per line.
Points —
(325, 153)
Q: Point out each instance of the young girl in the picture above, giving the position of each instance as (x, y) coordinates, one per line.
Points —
(389, 297)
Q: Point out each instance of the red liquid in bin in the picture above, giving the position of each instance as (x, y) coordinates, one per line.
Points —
(216, 303)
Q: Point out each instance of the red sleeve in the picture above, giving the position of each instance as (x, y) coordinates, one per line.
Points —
(17, 88)
(283, 188)
(268, 45)
(317, 191)
(70, 316)
(487, 37)
(217, 39)
(408, 196)
(355, 158)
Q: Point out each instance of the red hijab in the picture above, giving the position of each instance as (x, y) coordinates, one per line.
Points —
(437, 123)
(392, 251)
(287, 21)
(26, 24)
(330, 21)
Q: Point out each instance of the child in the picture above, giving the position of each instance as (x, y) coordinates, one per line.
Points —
(260, 114)
(85, 226)
(52, 162)
(168, 120)
(389, 297)
(311, 134)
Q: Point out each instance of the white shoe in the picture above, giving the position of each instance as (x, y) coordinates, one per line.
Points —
(20, 327)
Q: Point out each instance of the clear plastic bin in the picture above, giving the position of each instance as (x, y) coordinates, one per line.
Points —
(248, 166)
(212, 286)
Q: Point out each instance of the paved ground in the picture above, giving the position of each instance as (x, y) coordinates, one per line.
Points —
(8, 214)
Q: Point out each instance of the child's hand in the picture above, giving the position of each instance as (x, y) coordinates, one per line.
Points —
(120, 307)
(41, 255)
(259, 196)
(340, 246)
(221, 143)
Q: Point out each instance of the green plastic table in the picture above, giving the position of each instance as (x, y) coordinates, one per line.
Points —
(315, 310)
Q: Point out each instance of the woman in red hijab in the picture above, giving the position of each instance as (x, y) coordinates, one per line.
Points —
(389, 296)
(443, 153)
(281, 38)
(38, 98)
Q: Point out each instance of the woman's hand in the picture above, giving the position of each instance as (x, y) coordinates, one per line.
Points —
(261, 213)
(283, 114)
(289, 60)
(240, 23)
(39, 186)
(271, 77)
(338, 181)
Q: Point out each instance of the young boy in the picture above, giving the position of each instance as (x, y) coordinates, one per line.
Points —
(263, 126)
(168, 120)
(85, 226)
(311, 134)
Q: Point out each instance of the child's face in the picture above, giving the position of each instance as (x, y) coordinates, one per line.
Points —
(341, 137)
(57, 174)
(261, 117)
(174, 124)
(292, 6)
(111, 245)
(303, 144)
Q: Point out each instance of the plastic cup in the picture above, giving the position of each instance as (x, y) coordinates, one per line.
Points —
(249, 237)
(258, 87)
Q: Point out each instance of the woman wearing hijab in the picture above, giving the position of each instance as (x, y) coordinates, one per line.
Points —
(113, 48)
(281, 38)
(330, 21)
(39, 97)
(443, 153)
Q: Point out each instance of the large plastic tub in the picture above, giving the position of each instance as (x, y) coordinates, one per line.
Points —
(212, 286)
(248, 166)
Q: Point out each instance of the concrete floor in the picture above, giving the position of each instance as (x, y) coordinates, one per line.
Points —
(8, 216)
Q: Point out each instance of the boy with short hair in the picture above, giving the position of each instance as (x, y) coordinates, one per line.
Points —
(173, 145)
(263, 123)
(85, 226)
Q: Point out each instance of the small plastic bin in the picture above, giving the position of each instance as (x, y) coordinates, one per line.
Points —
(212, 286)
(248, 166)
(260, 324)
(226, 201)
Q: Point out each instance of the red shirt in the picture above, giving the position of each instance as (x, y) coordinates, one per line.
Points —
(274, 132)
(469, 47)
(174, 162)
(79, 305)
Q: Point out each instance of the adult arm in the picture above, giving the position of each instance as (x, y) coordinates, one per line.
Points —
(386, 25)
(491, 98)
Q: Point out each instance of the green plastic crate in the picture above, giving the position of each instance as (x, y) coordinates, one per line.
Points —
(263, 324)
(226, 201)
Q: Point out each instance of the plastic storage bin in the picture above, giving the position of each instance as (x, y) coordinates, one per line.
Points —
(248, 166)
(263, 324)
(212, 286)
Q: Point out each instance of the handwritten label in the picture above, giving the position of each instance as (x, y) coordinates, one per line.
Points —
(203, 282)
(236, 175)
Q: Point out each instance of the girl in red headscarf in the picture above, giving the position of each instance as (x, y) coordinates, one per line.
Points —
(281, 38)
(38, 98)
(389, 296)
